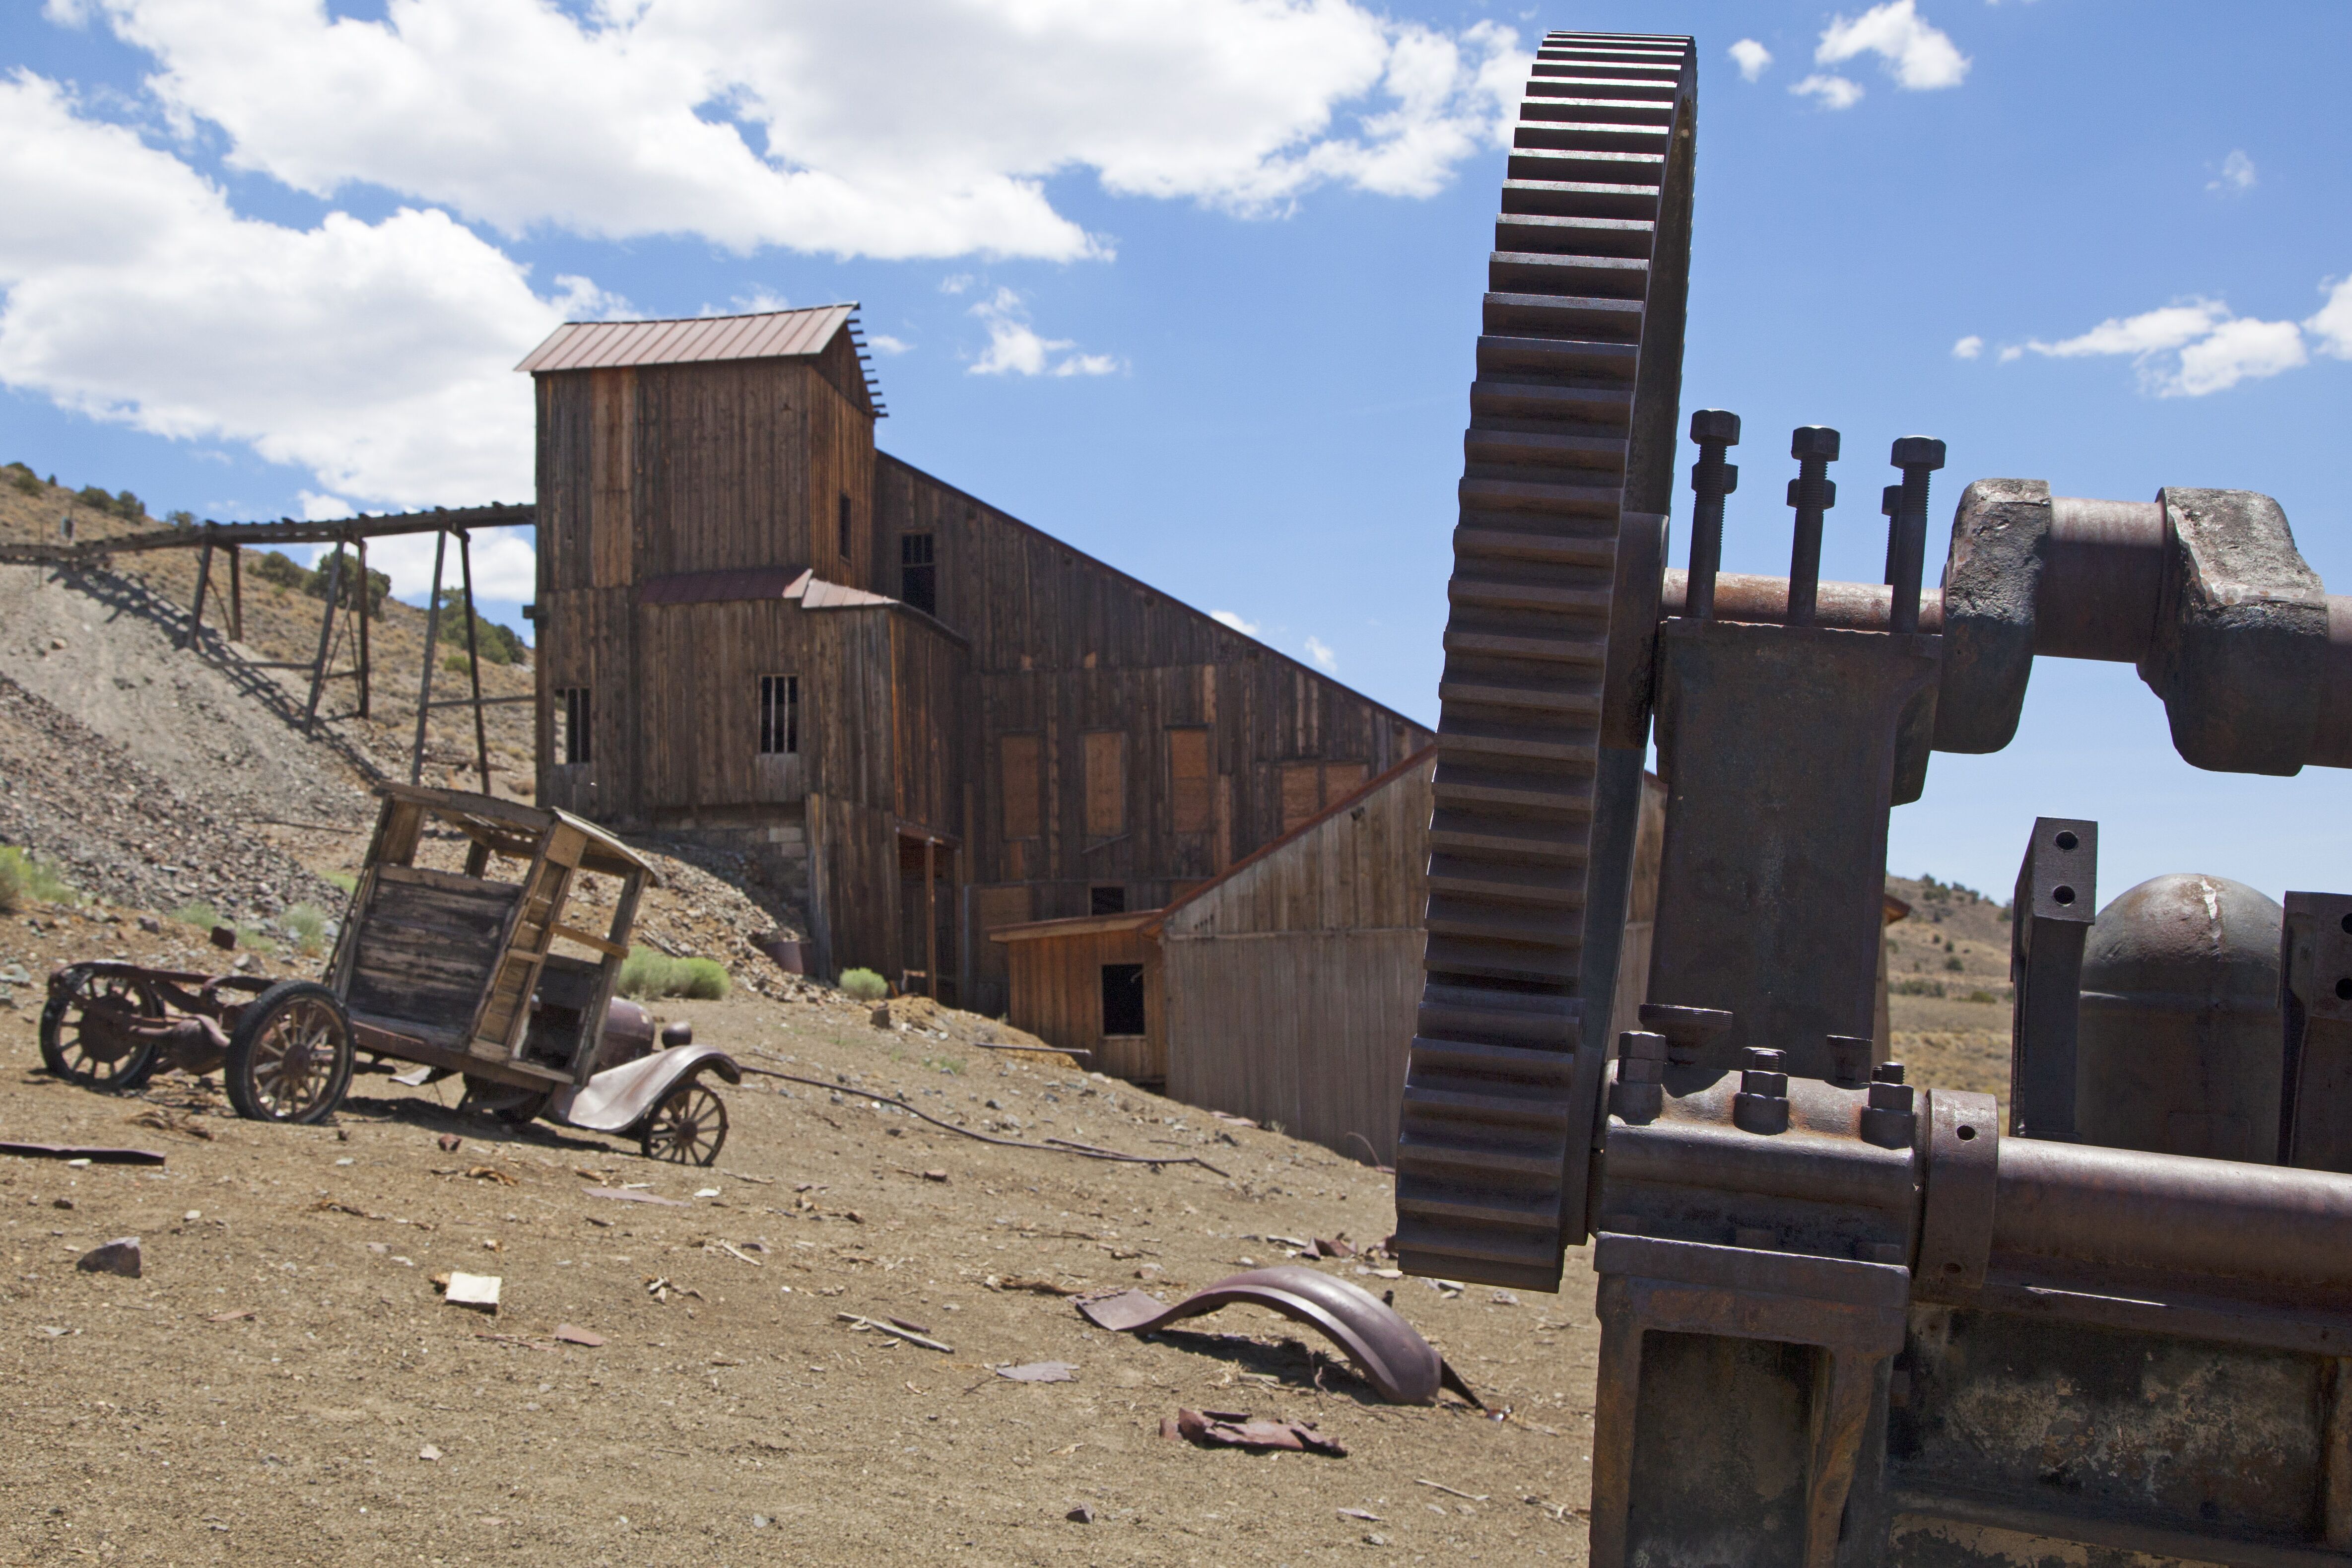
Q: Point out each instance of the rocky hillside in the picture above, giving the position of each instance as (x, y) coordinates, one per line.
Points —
(157, 778)
(1948, 981)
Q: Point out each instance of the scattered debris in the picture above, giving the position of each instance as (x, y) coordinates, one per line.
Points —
(120, 1255)
(1038, 1286)
(935, 1176)
(1340, 1247)
(479, 1291)
(731, 1251)
(163, 1119)
(450, 1142)
(238, 1317)
(860, 1325)
(1450, 1491)
(491, 1174)
(87, 1155)
(625, 1194)
(1041, 1372)
(1401, 1366)
(1081, 1515)
(429, 1453)
(574, 1336)
(1236, 1430)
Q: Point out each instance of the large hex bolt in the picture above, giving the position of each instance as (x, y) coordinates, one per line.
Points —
(1849, 1060)
(1638, 1095)
(1712, 479)
(1906, 540)
(1888, 1119)
(1815, 448)
(1762, 1104)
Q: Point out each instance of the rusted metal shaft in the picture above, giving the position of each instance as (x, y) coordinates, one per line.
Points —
(2193, 1218)
(1845, 607)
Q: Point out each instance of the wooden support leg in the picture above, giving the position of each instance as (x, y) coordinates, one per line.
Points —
(326, 634)
(203, 579)
(474, 659)
(931, 917)
(1843, 1392)
(432, 639)
(367, 608)
(235, 593)
(1617, 1395)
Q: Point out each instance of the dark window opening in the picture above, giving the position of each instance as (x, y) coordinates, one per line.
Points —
(846, 554)
(918, 582)
(1109, 900)
(573, 743)
(780, 715)
(1122, 988)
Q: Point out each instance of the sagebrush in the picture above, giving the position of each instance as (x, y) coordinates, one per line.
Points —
(864, 985)
(647, 974)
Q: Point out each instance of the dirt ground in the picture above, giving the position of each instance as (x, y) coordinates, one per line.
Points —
(284, 1384)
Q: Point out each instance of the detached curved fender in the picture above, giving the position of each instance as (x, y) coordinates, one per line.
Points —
(618, 1098)
(1404, 1368)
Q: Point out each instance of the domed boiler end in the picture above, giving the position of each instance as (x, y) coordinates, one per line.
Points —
(2180, 1048)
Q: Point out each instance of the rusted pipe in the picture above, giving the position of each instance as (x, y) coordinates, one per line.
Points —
(1846, 607)
(2173, 1213)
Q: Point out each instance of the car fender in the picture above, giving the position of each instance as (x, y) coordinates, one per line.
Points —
(619, 1098)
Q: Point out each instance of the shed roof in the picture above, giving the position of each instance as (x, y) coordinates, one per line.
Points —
(769, 334)
(1076, 925)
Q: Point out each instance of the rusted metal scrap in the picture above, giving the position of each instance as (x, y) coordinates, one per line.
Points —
(1401, 1366)
(1238, 1429)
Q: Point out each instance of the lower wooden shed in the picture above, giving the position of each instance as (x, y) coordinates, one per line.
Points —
(1285, 990)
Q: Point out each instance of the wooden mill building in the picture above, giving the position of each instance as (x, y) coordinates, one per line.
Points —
(926, 718)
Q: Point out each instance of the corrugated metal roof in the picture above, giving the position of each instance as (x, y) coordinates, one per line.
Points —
(772, 334)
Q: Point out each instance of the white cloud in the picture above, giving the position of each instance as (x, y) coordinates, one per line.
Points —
(2151, 332)
(1232, 618)
(1017, 348)
(1320, 652)
(884, 343)
(2333, 325)
(1917, 55)
(377, 356)
(1969, 347)
(2241, 350)
(1832, 91)
(1752, 59)
(2237, 173)
(903, 128)
(2191, 349)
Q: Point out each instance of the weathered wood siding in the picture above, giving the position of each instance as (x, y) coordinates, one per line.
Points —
(1292, 984)
(1058, 981)
(1065, 651)
(660, 470)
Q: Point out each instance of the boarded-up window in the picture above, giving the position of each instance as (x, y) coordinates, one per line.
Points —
(1188, 780)
(1106, 782)
(1308, 788)
(1020, 756)
(1302, 794)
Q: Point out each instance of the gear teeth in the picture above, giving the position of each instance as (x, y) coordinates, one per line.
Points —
(1498, 1096)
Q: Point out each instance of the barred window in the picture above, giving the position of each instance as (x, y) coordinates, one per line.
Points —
(780, 715)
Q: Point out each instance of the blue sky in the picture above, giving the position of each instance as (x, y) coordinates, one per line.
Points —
(257, 265)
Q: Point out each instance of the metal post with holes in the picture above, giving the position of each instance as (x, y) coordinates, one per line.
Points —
(2056, 898)
(2315, 986)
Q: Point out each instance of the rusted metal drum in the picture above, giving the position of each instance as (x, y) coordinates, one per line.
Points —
(2181, 1050)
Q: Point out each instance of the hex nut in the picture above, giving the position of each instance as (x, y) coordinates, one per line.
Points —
(1917, 452)
(1813, 441)
(1714, 425)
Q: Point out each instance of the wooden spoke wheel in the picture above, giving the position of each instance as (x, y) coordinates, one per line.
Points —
(290, 1057)
(687, 1127)
(1558, 562)
(86, 1034)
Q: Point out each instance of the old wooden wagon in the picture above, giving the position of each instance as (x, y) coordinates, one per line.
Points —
(477, 972)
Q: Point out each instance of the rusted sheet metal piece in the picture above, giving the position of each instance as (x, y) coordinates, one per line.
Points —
(2315, 990)
(2057, 889)
(1404, 1368)
(97, 1154)
(619, 1098)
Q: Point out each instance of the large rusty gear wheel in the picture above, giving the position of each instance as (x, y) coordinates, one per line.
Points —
(1569, 465)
